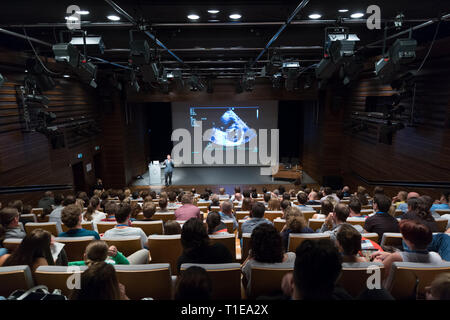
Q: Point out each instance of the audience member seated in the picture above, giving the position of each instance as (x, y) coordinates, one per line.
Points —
(187, 210)
(223, 195)
(98, 251)
(295, 223)
(204, 198)
(226, 213)
(215, 201)
(72, 218)
(93, 212)
(267, 198)
(381, 221)
(439, 288)
(256, 218)
(442, 203)
(346, 191)
(274, 204)
(313, 199)
(171, 227)
(302, 199)
(9, 220)
(400, 198)
(237, 190)
(55, 216)
(335, 219)
(361, 194)
(355, 208)
(404, 206)
(284, 205)
(196, 246)
(148, 209)
(215, 224)
(327, 191)
(162, 205)
(326, 208)
(266, 248)
(246, 204)
(110, 211)
(441, 245)
(99, 282)
(419, 209)
(348, 241)
(122, 229)
(47, 202)
(172, 196)
(194, 284)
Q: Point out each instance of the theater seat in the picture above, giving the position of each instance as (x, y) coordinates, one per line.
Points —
(15, 278)
(409, 280)
(370, 236)
(308, 214)
(126, 245)
(271, 215)
(146, 280)
(442, 211)
(392, 239)
(37, 211)
(228, 241)
(266, 281)
(26, 218)
(104, 226)
(242, 214)
(316, 207)
(355, 222)
(165, 249)
(48, 226)
(354, 276)
(11, 244)
(215, 209)
(296, 239)
(55, 277)
(164, 216)
(279, 223)
(149, 227)
(230, 225)
(85, 225)
(246, 238)
(316, 223)
(441, 224)
(225, 278)
(75, 246)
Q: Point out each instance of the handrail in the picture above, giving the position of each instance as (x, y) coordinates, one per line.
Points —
(34, 188)
(400, 183)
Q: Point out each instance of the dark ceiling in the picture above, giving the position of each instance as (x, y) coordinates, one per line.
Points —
(219, 44)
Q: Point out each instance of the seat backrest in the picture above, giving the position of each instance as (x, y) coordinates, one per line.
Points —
(354, 276)
(203, 209)
(26, 218)
(392, 239)
(296, 239)
(149, 227)
(397, 213)
(37, 211)
(48, 226)
(15, 278)
(215, 209)
(85, 225)
(266, 280)
(225, 278)
(406, 275)
(441, 224)
(355, 222)
(246, 238)
(367, 206)
(316, 207)
(442, 211)
(279, 224)
(55, 277)
(240, 222)
(165, 249)
(316, 223)
(11, 244)
(228, 241)
(230, 225)
(75, 246)
(370, 236)
(146, 280)
(308, 214)
(164, 216)
(272, 215)
(242, 214)
(43, 218)
(126, 245)
(104, 226)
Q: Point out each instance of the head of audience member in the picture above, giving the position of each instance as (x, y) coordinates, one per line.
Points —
(274, 205)
(254, 195)
(326, 207)
(246, 193)
(121, 196)
(238, 197)
(346, 189)
(71, 216)
(416, 235)
(96, 251)
(227, 208)
(318, 265)
(48, 194)
(421, 207)
(378, 190)
(135, 195)
(237, 189)
(172, 196)
(9, 218)
(213, 221)
(194, 235)
(292, 193)
(186, 199)
(162, 203)
(163, 194)
(98, 282)
(264, 190)
(327, 191)
(123, 213)
(70, 199)
(153, 194)
(354, 206)
(215, 200)
(402, 196)
(286, 196)
(439, 288)
(209, 191)
(295, 221)
(348, 241)
(204, 196)
(445, 197)
(58, 199)
(222, 191)
(94, 205)
(313, 196)
(83, 195)
(136, 209)
(267, 197)
(302, 198)
(257, 210)
(194, 284)
(340, 194)
(381, 203)
(246, 204)
(281, 189)
(18, 204)
(111, 208)
(34, 246)
(361, 193)
(413, 204)
(79, 202)
(284, 205)
(148, 209)
(127, 192)
(412, 195)
(172, 227)
(276, 193)
(340, 213)
(307, 191)
(266, 244)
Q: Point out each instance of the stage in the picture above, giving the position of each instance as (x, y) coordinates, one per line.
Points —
(196, 176)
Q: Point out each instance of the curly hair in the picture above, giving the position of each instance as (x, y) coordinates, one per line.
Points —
(295, 221)
(266, 244)
(194, 235)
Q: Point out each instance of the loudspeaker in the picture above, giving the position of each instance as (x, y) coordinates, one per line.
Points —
(334, 182)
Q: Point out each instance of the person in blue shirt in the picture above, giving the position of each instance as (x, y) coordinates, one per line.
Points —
(71, 217)
(226, 213)
(302, 199)
(443, 202)
(168, 170)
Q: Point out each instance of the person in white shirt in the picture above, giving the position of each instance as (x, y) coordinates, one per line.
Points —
(93, 213)
(327, 191)
(55, 215)
(123, 229)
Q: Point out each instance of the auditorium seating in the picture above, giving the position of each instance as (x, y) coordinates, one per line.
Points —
(104, 226)
(240, 215)
(442, 211)
(25, 218)
(56, 277)
(11, 244)
(225, 278)
(354, 222)
(391, 239)
(149, 227)
(15, 278)
(271, 215)
(316, 224)
(48, 226)
(296, 239)
(164, 216)
(279, 223)
(84, 225)
(229, 241)
(75, 246)
(165, 249)
(308, 214)
(441, 224)
(126, 245)
(266, 281)
(246, 238)
(354, 276)
(370, 236)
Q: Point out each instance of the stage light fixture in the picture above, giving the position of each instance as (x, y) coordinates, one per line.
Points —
(66, 52)
(341, 49)
(87, 71)
(277, 80)
(139, 52)
(325, 69)
(96, 43)
(195, 83)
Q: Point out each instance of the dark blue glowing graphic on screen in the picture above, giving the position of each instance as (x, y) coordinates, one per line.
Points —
(233, 131)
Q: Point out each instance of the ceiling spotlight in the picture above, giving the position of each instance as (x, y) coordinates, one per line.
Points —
(315, 16)
(357, 15)
(343, 10)
(235, 16)
(71, 18)
(193, 17)
(82, 12)
(66, 76)
(113, 18)
(213, 11)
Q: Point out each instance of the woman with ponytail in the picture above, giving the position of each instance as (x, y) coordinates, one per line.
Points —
(92, 213)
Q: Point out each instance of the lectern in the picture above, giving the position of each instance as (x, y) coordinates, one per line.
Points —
(154, 169)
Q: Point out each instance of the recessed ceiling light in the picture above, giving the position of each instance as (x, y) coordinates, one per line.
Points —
(213, 20)
(235, 16)
(315, 16)
(71, 18)
(357, 15)
(213, 11)
(66, 76)
(193, 17)
(113, 18)
(343, 10)
(82, 12)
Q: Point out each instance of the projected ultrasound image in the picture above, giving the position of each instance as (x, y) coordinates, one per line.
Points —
(230, 130)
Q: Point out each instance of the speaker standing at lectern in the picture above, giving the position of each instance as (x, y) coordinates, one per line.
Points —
(168, 169)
